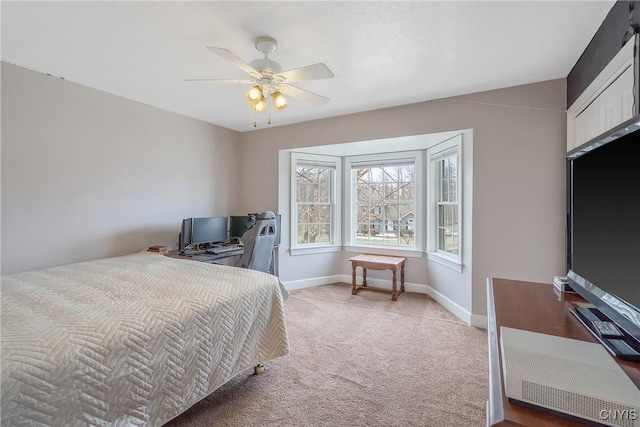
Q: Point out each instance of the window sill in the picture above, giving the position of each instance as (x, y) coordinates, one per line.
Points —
(315, 250)
(448, 262)
(377, 250)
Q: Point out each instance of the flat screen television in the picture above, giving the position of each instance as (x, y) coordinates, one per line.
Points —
(209, 230)
(603, 230)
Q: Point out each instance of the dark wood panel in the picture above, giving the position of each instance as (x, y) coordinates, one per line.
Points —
(617, 28)
(534, 307)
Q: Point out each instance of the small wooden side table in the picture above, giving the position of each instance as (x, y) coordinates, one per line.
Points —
(378, 262)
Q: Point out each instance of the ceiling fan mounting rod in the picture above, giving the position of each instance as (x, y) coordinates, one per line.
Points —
(266, 66)
(266, 45)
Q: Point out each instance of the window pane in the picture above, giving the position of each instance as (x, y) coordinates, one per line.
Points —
(314, 231)
(324, 235)
(363, 193)
(452, 179)
(303, 214)
(392, 173)
(441, 239)
(407, 193)
(390, 193)
(314, 186)
(301, 191)
(376, 175)
(448, 228)
(323, 176)
(362, 232)
(445, 225)
(322, 192)
(406, 173)
(384, 196)
(302, 233)
(362, 175)
(324, 214)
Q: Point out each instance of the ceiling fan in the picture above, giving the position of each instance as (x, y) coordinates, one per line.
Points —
(268, 79)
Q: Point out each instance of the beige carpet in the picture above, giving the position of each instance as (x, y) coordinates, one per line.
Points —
(360, 360)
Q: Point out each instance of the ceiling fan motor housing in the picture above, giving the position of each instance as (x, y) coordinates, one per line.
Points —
(266, 66)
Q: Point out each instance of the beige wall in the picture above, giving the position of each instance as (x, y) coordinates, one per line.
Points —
(518, 180)
(87, 175)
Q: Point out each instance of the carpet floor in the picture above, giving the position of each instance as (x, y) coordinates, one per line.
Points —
(360, 360)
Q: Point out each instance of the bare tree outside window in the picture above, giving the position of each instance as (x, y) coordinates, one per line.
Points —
(385, 205)
(314, 202)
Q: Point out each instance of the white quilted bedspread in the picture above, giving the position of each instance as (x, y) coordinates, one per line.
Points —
(133, 340)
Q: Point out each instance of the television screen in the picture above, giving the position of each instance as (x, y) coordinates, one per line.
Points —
(603, 234)
(605, 217)
(209, 230)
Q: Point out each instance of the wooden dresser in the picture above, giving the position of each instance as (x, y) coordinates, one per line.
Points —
(533, 307)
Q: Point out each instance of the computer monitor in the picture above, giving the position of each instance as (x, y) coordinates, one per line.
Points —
(184, 238)
(238, 224)
(209, 230)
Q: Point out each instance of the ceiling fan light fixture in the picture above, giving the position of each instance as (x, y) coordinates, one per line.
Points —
(260, 106)
(267, 77)
(279, 101)
(254, 95)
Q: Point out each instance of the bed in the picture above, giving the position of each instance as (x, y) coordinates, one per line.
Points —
(131, 340)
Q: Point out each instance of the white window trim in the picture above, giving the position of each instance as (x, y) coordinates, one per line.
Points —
(336, 218)
(349, 196)
(435, 153)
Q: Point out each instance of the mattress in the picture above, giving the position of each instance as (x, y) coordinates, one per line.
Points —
(132, 340)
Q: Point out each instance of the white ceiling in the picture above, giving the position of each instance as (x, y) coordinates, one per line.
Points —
(383, 53)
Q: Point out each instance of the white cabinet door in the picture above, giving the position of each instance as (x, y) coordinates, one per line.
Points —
(606, 103)
(615, 104)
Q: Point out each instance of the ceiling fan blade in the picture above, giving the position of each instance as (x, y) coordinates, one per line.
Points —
(220, 81)
(305, 95)
(310, 72)
(235, 60)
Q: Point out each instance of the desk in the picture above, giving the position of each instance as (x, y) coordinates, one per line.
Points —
(229, 258)
(378, 262)
(532, 307)
(208, 258)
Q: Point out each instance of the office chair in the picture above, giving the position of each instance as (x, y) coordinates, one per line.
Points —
(258, 243)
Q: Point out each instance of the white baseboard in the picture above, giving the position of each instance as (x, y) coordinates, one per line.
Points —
(315, 281)
(478, 321)
(474, 320)
(450, 305)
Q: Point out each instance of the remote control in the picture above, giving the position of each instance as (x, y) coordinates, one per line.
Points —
(607, 329)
